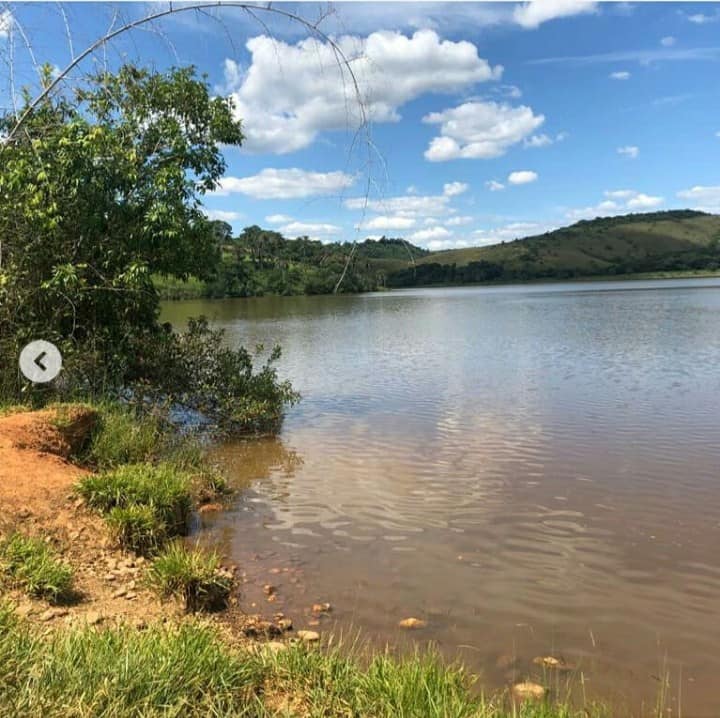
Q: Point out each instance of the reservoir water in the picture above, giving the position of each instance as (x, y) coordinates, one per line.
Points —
(534, 470)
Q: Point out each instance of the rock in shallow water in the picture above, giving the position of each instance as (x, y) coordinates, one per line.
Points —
(528, 691)
(308, 636)
(412, 623)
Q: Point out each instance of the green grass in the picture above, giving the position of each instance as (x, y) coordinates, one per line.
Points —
(141, 501)
(124, 436)
(193, 575)
(189, 671)
(30, 564)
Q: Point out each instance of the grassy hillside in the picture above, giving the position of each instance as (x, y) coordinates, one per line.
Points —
(656, 242)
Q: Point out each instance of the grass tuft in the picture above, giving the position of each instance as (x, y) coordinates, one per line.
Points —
(30, 564)
(162, 488)
(193, 575)
(137, 528)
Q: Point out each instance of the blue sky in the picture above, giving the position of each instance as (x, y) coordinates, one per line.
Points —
(487, 121)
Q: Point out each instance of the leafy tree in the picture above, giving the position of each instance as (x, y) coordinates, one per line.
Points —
(99, 191)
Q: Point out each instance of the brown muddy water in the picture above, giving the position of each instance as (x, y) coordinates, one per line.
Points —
(534, 470)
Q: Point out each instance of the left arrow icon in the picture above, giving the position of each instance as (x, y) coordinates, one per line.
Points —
(40, 361)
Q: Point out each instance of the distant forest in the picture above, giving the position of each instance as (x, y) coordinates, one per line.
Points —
(259, 261)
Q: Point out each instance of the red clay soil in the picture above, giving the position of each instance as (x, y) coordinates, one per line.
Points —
(35, 474)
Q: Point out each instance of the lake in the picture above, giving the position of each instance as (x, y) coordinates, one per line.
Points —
(534, 470)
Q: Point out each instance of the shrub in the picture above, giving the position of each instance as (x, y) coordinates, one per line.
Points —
(193, 575)
(32, 565)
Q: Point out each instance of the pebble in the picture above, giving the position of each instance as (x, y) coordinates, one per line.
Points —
(412, 623)
(109, 576)
(528, 691)
(119, 593)
(285, 623)
(552, 662)
(93, 618)
(308, 636)
(53, 613)
(130, 595)
(269, 589)
(321, 607)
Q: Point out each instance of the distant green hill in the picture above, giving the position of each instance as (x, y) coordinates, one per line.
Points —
(636, 243)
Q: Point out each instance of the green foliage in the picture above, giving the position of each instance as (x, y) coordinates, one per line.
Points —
(188, 671)
(124, 435)
(99, 193)
(203, 374)
(193, 575)
(121, 672)
(30, 564)
(161, 489)
(680, 240)
(137, 527)
(260, 262)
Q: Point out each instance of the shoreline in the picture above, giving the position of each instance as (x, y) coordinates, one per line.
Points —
(113, 599)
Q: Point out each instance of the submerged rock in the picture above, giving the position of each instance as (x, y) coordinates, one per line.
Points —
(528, 691)
(308, 636)
(321, 608)
(557, 664)
(412, 623)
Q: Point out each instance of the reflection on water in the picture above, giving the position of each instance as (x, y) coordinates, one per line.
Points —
(532, 469)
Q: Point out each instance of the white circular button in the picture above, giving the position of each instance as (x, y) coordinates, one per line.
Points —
(40, 361)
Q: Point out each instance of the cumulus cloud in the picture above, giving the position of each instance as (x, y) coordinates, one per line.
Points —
(311, 229)
(413, 205)
(451, 189)
(459, 221)
(643, 201)
(383, 222)
(668, 41)
(532, 14)
(494, 185)
(543, 140)
(619, 201)
(702, 198)
(703, 19)
(629, 151)
(290, 93)
(292, 183)
(437, 245)
(522, 177)
(278, 219)
(432, 233)
(479, 130)
(620, 75)
(223, 215)
(6, 23)
(510, 232)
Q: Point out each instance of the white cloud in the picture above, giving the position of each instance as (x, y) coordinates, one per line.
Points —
(543, 140)
(643, 201)
(433, 233)
(451, 189)
(702, 19)
(668, 41)
(494, 185)
(702, 198)
(384, 222)
(292, 183)
(532, 14)
(459, 221)
(629, 151)
(413, 206)
(278, 219)
(290, 93)
(619, 201)
(223, 215)
(522, 177)
(620, 75)
(6, 23)
(509, 232)
(311, 229)
(479, 130)
(436, 245)
(620, 193)
(717, 134)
